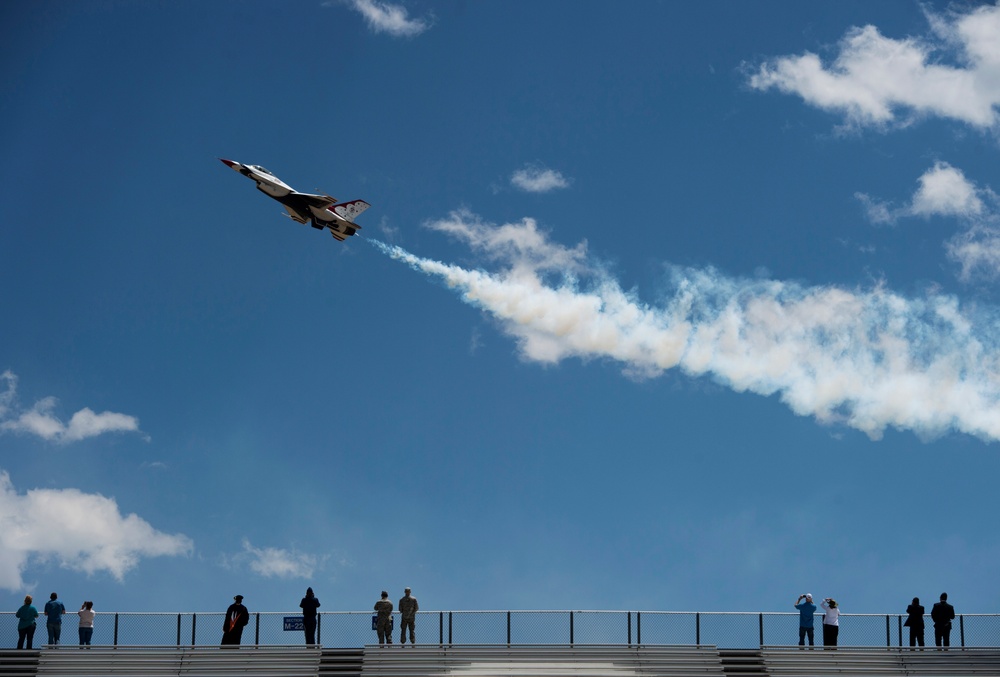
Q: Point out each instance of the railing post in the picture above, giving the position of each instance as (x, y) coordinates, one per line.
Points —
(319, 629)
(441, 628)
(178, 629)
(888, 639)
(899, 623)
(116, 629)
(194, 623)
(697, 628)
(571, 628)
(449, 628)
(508, 628)
(760, 623)
(256, 634)
(630, 628)
(638, 627)
(961, 628)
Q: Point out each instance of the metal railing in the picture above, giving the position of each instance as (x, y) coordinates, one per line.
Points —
(735, 630)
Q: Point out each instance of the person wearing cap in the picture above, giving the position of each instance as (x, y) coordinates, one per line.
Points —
(831, 621)
(383, 624)
(408, 609)
(942, 614)
(806, 610)
(237, 617)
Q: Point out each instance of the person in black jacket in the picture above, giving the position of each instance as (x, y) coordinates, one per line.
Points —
(309, 604)
(915, 622)
(942, 614)
(236, 619)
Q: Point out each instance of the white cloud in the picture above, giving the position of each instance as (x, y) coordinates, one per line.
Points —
(41, 421)
(878, 211)
(945, 191)
(385, 17)
(977, 251)
(875, 80)
(538, 179)
(277, 562)
(869, 359)
(82, 532)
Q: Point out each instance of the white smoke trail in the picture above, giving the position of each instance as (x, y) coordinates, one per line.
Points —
(867, 358)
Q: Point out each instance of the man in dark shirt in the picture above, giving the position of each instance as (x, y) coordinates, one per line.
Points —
(309, 604)
(942, 614)
(237, 617)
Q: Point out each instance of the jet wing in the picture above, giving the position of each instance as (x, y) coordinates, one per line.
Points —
(317, 201)
(296, 215)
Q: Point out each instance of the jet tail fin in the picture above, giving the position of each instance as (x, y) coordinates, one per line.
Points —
(350, 210)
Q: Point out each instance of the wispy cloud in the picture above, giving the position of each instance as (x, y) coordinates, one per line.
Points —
(386, 17)
(278, 562)
(41, 421)
(535, 179)
(880, 81)
(83, 532)
(866, 358)
(945, 191)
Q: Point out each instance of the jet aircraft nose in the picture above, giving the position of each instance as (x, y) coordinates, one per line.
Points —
(230, 164)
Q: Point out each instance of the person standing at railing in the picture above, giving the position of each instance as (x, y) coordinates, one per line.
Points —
(806, 611)
(309, 604)
(54, 611)
(408, 609)
(26, 616)
(383, 624)
(831, 621)
(915, 622)
(942, 614)
(86, 614)
(237, 618)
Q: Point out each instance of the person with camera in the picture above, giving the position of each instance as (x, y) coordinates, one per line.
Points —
(806, 611)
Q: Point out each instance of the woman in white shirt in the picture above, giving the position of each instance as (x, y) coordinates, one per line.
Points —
(86, 614)
(831, 621)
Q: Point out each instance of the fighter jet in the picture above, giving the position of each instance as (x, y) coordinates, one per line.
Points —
(319, 211)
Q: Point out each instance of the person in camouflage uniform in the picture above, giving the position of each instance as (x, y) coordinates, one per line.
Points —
(383, 624)
(408, 609)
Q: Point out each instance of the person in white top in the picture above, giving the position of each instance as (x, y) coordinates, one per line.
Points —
(86, 614)
(831, 621)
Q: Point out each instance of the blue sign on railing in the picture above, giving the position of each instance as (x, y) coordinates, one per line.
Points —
(294, 623)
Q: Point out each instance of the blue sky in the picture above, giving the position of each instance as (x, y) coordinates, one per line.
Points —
(658, 306)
